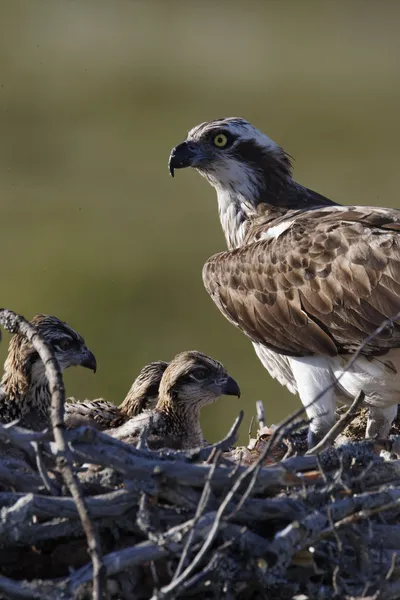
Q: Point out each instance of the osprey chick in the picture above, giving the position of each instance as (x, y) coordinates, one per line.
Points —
(190, 381)
(307, 280)
(103, 415)
(24, 391)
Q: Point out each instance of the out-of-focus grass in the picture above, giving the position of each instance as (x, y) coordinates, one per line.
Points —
(93, 96)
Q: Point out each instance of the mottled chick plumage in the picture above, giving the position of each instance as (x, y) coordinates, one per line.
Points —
(103, 415)
(190, 381)
(24, 391)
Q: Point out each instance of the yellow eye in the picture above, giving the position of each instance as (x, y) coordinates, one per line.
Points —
(220, 140)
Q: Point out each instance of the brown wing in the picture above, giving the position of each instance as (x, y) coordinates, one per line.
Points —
(96, 413)
(321, 287)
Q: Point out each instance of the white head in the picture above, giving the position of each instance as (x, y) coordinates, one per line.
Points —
(233, 155)
(244, 165)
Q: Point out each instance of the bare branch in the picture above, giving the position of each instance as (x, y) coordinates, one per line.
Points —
(339, 426)
(260, 414)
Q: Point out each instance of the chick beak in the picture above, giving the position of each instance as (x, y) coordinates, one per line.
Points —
(231, 388)
(89, 361)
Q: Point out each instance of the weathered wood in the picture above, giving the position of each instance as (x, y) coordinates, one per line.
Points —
(195, 523)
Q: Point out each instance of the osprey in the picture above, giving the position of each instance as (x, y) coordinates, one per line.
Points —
(306, 279)
(190, 381)
(24, 389)
(102, 414)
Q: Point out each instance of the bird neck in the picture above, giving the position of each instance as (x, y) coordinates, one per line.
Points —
(235, 215)
(23, 392)
(170, 405)
(185, 416)
(266, 198)
(134, 402)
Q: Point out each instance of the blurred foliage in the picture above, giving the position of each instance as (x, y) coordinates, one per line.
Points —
(93, 95)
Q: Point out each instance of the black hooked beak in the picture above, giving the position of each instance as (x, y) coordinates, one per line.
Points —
(231, 388)
(181, 156)
(89, 361)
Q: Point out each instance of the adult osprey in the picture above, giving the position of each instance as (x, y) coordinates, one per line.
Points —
(307, 280)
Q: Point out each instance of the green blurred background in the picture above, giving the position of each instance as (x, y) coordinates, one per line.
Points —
(93, 95)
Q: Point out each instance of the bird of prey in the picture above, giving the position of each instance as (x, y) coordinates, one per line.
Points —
(103, 415)
(306, 279)
(190, 381)
(24, 391)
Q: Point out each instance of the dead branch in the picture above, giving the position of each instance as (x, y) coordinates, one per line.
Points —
(339, 426)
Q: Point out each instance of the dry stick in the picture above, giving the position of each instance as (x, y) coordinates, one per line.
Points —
(143, 435)
(143, 552)
(208, 568)
(224, 444)
(339, 426)
(199, 512)
(254, 468)
(260, 414)
(177, 583)
(251, 427)
(50, 486)
(16, 324)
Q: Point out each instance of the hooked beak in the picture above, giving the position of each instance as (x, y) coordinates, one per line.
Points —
(231, 388)
(89, 361)
(182, 156)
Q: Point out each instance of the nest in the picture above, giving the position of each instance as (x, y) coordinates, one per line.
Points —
(84, 515)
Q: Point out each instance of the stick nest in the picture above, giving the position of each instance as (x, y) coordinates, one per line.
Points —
(86, 516)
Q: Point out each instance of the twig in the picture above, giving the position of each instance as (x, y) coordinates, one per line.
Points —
(199, 512)
(339, 426)
(208, 568)
(260, 414)
(143, 519)
(17, 324)
(118, 561)
(143, 435)
(176, 583)
(251, 427)
(225, 444)
(48, 483)
(255, 468)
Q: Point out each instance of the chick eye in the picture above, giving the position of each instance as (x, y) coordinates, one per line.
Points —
(65, 344)
(200, 374)
(220, 140)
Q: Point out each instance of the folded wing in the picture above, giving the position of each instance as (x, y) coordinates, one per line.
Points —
(321, 287)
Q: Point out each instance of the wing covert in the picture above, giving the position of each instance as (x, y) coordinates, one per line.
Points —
(321, 287)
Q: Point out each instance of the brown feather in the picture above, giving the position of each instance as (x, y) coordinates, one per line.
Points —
(335, 274)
